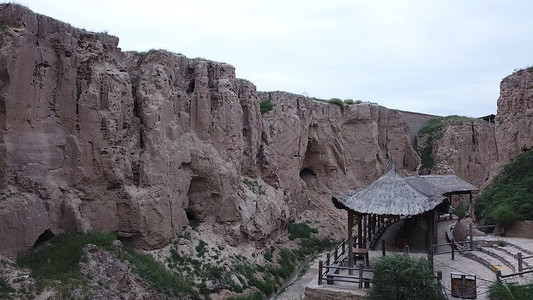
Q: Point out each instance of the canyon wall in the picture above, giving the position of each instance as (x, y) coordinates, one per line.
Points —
(477, 150)
(145, 144)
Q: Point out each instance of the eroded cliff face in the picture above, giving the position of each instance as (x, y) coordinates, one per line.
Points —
(477, 150)
(146, 144)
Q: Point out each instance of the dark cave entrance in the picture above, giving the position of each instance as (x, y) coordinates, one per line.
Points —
(43, 238)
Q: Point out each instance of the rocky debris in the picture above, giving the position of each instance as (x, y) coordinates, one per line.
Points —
(108, 277)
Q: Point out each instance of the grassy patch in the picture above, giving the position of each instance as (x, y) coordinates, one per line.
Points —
(255, 187)
(59, 260)
(159, 277)
(498, 291)
(265, 106)
(510, 196)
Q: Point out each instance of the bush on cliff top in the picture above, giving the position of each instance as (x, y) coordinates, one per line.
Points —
(510, 196)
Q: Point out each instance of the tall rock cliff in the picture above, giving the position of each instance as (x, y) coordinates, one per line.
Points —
(477, 150)
(145, 144)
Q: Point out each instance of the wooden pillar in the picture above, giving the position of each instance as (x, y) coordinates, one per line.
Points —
(435, 230)
(359, 231)
(365, 230)
(430, 220)
(350, 239)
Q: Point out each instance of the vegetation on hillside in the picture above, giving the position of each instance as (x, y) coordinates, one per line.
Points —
(183, 275)
(510, 196)
(434, 132)
(400, 277)
(57, 264)
(499, 291)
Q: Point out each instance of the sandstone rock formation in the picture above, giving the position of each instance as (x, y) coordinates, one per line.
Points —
(144, 144)
(477, 150)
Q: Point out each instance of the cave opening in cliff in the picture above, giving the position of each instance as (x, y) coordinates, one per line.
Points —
(306, 173)
(43, 238)
(193, 221)
(310, 161)
(197, 195)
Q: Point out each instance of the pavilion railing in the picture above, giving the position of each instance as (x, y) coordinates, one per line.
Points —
(356, 275)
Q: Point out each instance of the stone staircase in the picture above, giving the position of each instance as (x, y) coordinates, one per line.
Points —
(496, 254)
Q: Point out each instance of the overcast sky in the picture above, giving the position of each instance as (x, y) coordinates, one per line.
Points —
(439, 57)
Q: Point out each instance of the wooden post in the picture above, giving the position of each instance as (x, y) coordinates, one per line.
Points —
(383, 247)
(360, 231)
(520, 263)
(328, 260)
(320, 272)
(498, 275)
(350, 237)
(470, 232)
(435, 231)
(361, 276)
(430, 219)
(453, 249)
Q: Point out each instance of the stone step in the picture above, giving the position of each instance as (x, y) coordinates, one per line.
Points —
(504, 257)
(488, 261)
(512, 252)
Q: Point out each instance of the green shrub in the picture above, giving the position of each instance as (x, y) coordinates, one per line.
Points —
(399, 277)
(502, 243)
(266, 106)
(200, 248)
(510, 196)
(461, 210)
(498, 291)
(336, 101)
(5, 288)
(300, 230)
(426, 156)
(254, 186)
(348, 101)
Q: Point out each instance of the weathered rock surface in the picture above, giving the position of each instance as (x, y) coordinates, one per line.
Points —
(466, 149)
(108, 277)
(477, 150)
(144, 144)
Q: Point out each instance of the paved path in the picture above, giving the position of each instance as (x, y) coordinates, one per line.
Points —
(443, 262)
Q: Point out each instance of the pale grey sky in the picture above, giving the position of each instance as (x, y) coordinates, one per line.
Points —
(437, 56)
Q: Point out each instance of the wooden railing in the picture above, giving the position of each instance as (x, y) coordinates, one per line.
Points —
(329, 269)
(520, 259)
(331, 274)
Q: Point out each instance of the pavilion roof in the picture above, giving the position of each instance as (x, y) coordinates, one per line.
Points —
(392, 194)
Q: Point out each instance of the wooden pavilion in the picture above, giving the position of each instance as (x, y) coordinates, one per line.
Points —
(394, 196)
